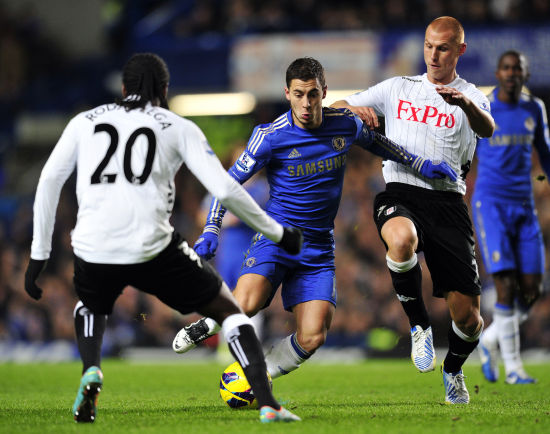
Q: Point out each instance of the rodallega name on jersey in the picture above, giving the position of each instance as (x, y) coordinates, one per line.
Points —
(94, 114)
(320, 166)
(245, 163)
(424, 114)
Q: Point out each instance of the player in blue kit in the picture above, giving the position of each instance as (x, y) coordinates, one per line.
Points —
(504, 214)
(304, 153)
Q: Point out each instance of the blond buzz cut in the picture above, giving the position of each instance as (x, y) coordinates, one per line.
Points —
(445, 23)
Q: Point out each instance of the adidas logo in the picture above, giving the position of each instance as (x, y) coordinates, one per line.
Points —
(294, 154)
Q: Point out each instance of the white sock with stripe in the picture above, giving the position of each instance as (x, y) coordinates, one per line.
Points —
(508, 337)
(285, 356)
(245, 347)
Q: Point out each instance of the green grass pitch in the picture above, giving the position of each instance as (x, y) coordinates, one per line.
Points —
(374, 396)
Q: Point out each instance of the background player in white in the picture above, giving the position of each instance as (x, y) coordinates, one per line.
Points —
(504, 214)
(437, 115)
(126, 155)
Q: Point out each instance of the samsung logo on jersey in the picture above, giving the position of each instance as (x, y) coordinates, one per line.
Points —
(511, 139)
(320, 166)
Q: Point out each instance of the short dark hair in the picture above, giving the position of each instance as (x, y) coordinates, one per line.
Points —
(145, 77)
(305, 68)
(518, 54)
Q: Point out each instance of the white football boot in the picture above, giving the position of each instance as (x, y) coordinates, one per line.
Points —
(455, 388)
(422, 350)
(189, 336)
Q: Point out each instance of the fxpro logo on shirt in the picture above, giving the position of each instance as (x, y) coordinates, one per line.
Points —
(425, 115)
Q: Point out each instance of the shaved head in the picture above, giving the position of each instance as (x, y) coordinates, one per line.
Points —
(444, 24)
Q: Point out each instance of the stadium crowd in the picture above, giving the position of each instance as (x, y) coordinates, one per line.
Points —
(236, 17)
(366, 299)
(365, 295)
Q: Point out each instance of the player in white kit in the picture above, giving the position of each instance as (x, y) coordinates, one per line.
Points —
(437, 115)
(126, 155)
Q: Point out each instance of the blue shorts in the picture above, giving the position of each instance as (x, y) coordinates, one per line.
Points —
(304, 277)
(509, 235)
(233, 244)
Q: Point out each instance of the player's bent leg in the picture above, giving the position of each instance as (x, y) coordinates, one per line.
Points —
(313, 320)
(252, 291)
(246, 348)
(466, 327)
(401, 238)
(223, 305)
(407, 281)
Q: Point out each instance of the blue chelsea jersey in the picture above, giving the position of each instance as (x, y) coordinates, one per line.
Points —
(305, 167)
(504, 160)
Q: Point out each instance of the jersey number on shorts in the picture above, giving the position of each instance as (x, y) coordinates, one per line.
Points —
(98, 177)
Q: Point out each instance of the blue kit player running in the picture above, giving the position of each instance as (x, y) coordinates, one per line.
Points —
(304, 153)
(505, 217)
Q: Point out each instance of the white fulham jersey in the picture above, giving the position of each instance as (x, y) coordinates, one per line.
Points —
(126, 162)
(418, 119)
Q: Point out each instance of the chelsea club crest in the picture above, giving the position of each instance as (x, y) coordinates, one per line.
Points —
(338, 143)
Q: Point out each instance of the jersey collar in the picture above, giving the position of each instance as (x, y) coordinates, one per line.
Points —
(427, 82)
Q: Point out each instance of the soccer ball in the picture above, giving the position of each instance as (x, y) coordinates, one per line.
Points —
(235, 390)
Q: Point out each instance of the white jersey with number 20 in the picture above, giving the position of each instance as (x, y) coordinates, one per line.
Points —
(126, 162)
(417, 118)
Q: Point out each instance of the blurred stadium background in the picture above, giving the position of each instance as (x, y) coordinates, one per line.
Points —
(59, 57)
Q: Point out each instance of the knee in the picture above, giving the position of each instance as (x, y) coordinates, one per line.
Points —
(401, 244)
(530, 294)
(248, 302)
(249, 307)
(311, 341)
(470, 324)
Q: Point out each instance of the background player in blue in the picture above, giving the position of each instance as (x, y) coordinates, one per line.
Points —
(234, 240)
(504, 213)
(304, 152)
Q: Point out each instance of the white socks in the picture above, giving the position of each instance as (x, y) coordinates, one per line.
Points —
(285, 356)
(507, 326)
(401, 267)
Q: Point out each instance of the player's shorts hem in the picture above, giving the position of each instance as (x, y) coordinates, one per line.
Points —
(289, 307)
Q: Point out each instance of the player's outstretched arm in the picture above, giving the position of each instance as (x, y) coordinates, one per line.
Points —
(57, 169)
(389, 150)
(366, 114)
